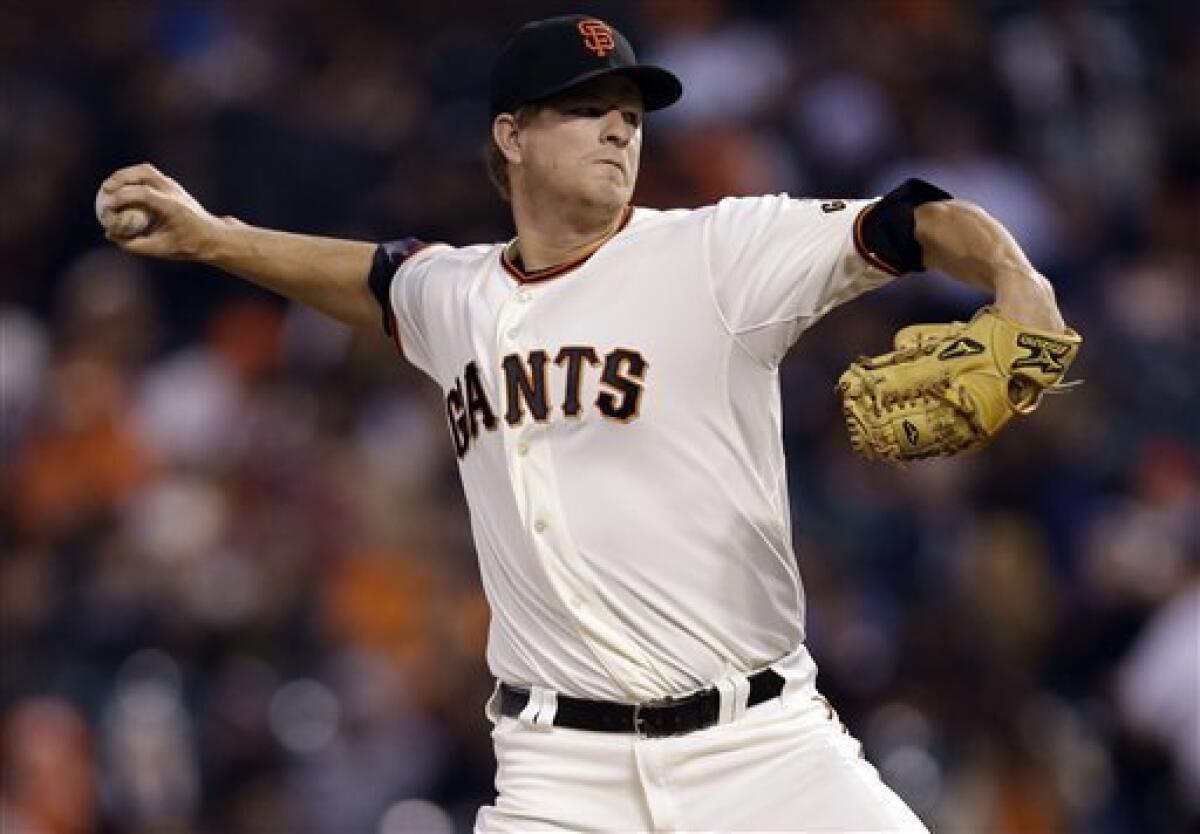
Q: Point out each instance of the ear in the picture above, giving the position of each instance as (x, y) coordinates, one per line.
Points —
(505, 134)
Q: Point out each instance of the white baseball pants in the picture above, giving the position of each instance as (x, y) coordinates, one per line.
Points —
(787, 764)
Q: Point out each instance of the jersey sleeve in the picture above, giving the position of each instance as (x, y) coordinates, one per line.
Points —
(778, 264)
(399, 273)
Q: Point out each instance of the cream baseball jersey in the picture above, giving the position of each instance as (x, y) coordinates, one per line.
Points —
(618, 432)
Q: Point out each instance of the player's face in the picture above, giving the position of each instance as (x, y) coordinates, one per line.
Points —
(585, 144)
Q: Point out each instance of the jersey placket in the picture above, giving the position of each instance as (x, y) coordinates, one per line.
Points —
(531, 474)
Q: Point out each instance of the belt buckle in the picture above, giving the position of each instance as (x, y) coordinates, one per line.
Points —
(639, 720)
(638, 725)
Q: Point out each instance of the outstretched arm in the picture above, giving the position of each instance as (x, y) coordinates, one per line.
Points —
(965, 242)
(324, 273)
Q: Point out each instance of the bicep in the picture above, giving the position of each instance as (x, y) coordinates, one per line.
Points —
(961, 239)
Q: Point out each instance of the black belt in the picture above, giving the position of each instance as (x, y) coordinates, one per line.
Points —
(655, 719)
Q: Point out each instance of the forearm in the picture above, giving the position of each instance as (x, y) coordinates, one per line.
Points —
(326, 274)
(965, 242)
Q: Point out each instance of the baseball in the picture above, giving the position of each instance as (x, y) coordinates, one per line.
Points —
(126, 223)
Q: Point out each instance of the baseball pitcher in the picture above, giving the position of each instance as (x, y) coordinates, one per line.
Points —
(611, 387)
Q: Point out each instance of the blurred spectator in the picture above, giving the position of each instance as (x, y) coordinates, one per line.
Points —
(1077, 75)
(81, 458)
(22, 374)
(1159, 685)
(150, 776)
(731, 68)
(50, 781)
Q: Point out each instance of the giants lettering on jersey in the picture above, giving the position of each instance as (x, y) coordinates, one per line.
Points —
(526, 391)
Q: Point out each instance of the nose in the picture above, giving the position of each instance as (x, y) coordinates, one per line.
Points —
(615, 129)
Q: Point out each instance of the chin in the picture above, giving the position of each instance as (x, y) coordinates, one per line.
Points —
(607, 195)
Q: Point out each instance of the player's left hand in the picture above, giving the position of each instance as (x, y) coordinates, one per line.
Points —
(950, 388)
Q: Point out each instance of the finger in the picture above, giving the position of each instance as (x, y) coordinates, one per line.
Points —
(155, 244)
(143, 173)
(139, 195)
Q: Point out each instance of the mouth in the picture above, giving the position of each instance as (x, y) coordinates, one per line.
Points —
(613, 163)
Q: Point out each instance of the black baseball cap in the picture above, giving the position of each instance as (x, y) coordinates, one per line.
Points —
(546, 57)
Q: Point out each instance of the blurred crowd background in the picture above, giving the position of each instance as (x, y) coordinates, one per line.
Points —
(237, 587)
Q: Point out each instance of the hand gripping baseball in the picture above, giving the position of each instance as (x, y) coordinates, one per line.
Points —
(146, 212)
(950, 388)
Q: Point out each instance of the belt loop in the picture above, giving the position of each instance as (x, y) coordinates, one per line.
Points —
(726, 696)
(491, 709)
(799, 674)
(549, 707)
(734, 692)
(534, 705)
(540, 710)
(741, 695)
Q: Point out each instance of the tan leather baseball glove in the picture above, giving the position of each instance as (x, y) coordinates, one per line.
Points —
(950, 388)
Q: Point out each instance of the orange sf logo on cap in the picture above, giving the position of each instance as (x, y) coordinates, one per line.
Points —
(597, 36)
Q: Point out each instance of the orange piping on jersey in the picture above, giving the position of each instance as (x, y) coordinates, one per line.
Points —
(869, 256)
(523, 277)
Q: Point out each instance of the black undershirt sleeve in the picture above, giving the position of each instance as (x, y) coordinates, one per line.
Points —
(388, 258)
(885, 231)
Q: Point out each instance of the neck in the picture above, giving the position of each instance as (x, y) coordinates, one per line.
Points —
(547, 237)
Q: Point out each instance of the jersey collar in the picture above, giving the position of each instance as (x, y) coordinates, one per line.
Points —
(523, 277)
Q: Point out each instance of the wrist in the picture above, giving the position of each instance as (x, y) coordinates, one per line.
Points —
(217, 245)
(1025, 296)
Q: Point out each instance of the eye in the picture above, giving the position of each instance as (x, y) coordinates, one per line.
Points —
(586, 111)
(632, 118)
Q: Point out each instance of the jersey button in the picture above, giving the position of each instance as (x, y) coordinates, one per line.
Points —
(522, 448)
(540, 526)
(513, 332)
(524, 295)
